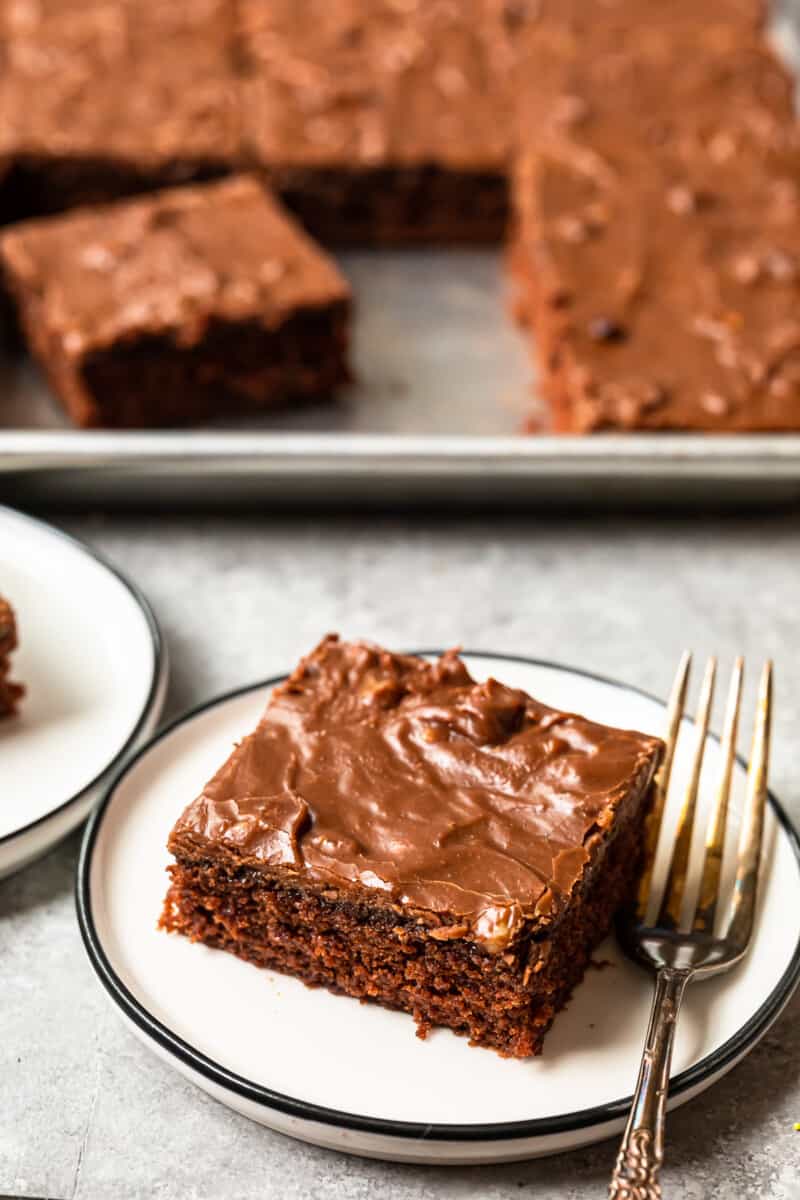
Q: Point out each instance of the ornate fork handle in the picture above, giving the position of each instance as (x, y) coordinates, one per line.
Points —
(638, 1164)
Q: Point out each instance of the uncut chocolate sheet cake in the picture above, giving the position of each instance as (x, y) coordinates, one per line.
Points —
(397, 832)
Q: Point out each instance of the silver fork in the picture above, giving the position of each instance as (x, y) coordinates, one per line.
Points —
(682, 950)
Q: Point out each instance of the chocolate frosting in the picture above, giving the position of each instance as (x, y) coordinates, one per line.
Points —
(142, 84)
(659, 218)
(169, 263)
(468, 802)
(368, 83)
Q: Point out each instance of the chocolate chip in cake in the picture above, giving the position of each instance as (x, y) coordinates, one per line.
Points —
(606, 329)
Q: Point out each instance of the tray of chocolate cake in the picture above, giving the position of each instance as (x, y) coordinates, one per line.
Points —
(370, 253)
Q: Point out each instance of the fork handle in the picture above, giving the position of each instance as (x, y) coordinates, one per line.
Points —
(636, 1172)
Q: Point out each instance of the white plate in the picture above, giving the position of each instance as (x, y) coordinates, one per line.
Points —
(94, 669)
(354, 1077)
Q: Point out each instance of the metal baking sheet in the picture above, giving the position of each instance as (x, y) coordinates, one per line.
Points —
(444, 384)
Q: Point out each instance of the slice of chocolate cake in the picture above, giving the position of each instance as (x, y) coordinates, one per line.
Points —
(394, 831)
(100, 100)
(10, 692)
(382, 122)
(179, 306)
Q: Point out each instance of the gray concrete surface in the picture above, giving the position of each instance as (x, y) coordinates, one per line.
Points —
(87, 1113)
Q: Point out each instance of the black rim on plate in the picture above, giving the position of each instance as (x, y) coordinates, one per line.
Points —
(724, 1057)
(157, 642)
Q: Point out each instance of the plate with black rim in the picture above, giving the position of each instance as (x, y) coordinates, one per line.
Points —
(354, 1077)
(92, 662)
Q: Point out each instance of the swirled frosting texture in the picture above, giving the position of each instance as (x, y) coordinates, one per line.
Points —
(470, 802)
(657, 202)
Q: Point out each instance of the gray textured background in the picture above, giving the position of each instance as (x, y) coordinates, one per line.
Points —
(87, 1112)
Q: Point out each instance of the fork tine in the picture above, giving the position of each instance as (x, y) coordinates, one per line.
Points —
(669, 916)
(675, 707)
(745, 887)
(708, 895)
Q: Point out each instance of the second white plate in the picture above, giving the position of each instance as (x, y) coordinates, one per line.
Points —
(93, 664)
(355, 1077)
